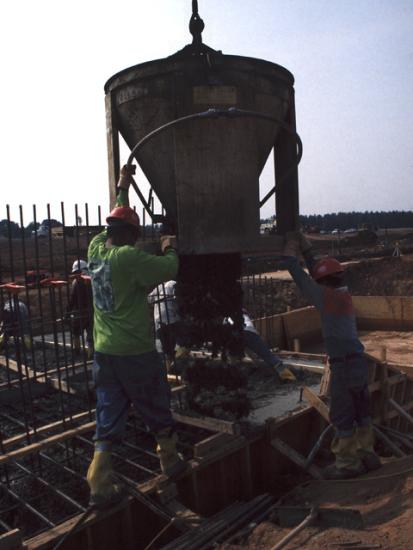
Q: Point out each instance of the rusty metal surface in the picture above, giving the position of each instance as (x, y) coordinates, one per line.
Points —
(206, 172)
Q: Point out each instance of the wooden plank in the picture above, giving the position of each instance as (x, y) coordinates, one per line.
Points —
(401, 411)
(384, 312)
(316, 402)
(387, 441)
(211, 443)
(295, 457)
(304, 324)
(394, 413)
(42, 429)
(317, 369)
(207, 423)
(271, 330)
(42, 378)
(390, 381)
(40, 445)
(321, 357)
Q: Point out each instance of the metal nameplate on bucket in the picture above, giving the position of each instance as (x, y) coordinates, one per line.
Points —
(215, 95)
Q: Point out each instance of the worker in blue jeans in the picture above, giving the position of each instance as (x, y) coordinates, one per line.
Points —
(127, 369)
(254, 343)
(119, 381)
(353, 444)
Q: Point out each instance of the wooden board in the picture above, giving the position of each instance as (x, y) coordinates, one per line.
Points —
(40, 377)
(303, 324)
(271, 330)
(384, 312)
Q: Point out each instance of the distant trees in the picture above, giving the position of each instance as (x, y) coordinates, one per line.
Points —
(32, 226)
(9, 229)
(347, 220)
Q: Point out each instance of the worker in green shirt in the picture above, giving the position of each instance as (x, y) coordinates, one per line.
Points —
(127, 369)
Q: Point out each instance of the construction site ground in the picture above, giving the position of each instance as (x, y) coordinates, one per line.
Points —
(364, 277)
(398, 345)
(384, 498)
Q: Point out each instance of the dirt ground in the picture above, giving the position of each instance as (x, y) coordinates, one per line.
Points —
(275, 291)
(372, 277)
(384, 498)
(399, 345)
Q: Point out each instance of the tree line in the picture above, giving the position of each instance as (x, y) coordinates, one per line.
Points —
(356, 220)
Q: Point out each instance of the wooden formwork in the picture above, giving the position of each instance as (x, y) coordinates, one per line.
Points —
(372, 313)
(225, 468)
(229, 466)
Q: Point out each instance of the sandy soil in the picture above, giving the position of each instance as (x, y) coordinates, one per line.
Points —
(399, 345)
(372, 277)
(384, 498)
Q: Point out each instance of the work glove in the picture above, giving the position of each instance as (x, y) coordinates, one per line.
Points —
(285, 374)
(292, 243)
(125, 177)
(305, 245)
(168, 241)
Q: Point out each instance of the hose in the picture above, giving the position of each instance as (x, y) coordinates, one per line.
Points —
(232, 112)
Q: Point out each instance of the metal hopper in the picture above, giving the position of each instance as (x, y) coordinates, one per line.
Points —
(205, 171)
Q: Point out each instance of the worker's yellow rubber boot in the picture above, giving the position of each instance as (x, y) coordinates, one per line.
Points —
(348, 463)
(181, 352)
(171, 462)
(365, 439)
(103, 491)
(286, 375)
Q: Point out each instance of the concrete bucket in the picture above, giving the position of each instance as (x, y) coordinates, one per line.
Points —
(205, 171)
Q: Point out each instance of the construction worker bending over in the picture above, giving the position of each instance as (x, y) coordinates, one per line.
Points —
(80, 307)
(353, 444)
(127, 369)
(254, 342)
(168, 323)
(14, 322)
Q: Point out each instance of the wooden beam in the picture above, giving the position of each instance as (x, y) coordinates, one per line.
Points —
(212, 424)
(401, 411)
(315, 401)
(21, 437)
(40, 445)
(295, 457)
(387, 441)
(42, 378)
(207, 423)
(211, 444)
(390, 381)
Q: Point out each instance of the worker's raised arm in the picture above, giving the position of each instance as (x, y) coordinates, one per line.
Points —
(308, 287)
(124, 182)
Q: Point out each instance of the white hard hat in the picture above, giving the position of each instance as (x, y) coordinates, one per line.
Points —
(79, 265)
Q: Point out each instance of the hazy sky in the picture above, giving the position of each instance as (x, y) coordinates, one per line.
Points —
(352, 61)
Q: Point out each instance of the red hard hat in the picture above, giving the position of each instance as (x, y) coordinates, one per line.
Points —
(125, 214)
(326, 267)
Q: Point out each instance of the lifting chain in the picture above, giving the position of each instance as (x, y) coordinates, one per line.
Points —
(196, 25)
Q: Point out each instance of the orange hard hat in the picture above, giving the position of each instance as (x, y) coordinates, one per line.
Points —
(326, 267)
(124, 214)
